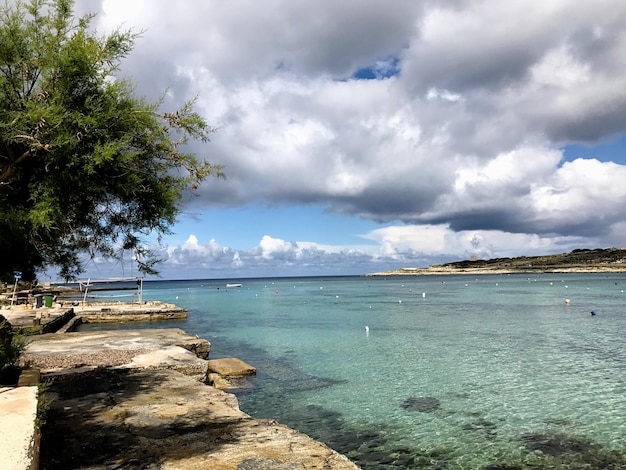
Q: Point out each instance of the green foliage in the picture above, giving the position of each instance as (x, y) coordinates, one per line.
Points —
(44, 401)
(84, 164)
(12, 345)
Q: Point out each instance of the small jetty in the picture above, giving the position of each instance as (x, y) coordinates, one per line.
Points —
(65, 316)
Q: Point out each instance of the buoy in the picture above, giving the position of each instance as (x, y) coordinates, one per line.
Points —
(593, 314)
(399, 301)
(367, 329)
(276, 291)
(566, 301)
(423, 295)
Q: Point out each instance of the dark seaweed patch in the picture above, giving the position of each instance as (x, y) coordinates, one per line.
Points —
(422, 404)
(557, 444)
(573, 452)
(498, 466)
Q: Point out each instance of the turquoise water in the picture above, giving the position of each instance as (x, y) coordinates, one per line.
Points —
(455, 372)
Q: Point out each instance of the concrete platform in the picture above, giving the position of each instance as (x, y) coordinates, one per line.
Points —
(56, 318)
(110, 312)
(37, 320)
(19, 438)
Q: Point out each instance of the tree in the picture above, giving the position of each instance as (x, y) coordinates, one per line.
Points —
(85, 166)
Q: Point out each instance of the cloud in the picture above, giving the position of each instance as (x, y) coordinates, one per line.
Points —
(458, 128)
(393, 247)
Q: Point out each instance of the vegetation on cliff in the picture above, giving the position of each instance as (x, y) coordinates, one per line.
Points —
(583, 260)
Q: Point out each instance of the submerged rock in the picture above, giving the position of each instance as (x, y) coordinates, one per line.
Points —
(565, 451)
(556, 444)
(422, 404)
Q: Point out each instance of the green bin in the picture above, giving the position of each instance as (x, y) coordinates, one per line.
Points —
(48, 301)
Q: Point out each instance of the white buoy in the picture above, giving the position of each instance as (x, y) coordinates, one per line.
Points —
(367, 329)
(423, 295)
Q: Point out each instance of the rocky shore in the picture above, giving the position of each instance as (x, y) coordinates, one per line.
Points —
(144, 399)
(607, 260)
(442, 271)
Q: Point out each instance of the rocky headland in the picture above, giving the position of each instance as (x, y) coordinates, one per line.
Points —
(577, 261)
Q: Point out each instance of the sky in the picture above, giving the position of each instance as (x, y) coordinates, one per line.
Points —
(361, 136)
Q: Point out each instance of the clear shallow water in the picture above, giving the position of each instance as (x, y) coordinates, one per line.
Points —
(515, 377)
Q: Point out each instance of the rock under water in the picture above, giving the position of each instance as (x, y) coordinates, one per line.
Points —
(422, 404)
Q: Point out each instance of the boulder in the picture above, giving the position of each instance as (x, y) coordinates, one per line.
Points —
(231, 367)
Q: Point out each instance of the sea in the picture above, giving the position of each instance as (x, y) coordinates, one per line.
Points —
(488, 372)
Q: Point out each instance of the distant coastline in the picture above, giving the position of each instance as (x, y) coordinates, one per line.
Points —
(602, 260)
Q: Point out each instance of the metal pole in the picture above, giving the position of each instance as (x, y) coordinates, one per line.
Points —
(86, 289)
(14, 291)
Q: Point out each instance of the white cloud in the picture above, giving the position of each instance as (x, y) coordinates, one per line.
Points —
(395, 246)
(583, 191)
(435, 93)
(462, 140)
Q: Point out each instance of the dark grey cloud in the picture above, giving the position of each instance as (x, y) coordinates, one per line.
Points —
(465, 136)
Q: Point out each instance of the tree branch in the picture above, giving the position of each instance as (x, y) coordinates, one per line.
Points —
(9, 170)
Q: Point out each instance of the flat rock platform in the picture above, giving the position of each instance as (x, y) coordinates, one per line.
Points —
(138, 399)
(69, 353)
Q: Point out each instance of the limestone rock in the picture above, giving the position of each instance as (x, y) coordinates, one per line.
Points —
(231, 367)
(162, 419)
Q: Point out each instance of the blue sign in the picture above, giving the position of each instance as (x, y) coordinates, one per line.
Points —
(17, 274)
